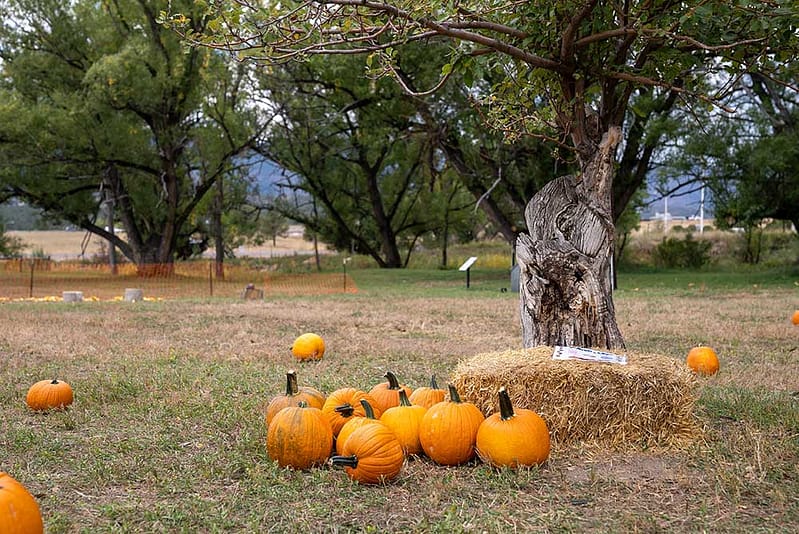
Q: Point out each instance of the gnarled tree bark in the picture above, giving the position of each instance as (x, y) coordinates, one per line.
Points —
(565, 260)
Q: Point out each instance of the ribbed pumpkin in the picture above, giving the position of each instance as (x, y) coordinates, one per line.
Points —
(19, 512)
(448, 430)
(513, 438)
(428, 396)
(386, 394)
(299, 437)
(344, 404)
(46, 394)
(308, 346)
(294, 394)
(703, 360)
(404, 420)
(371, 455)
(355, 423)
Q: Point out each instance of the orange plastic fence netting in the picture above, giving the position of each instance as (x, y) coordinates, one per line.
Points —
(48, 280)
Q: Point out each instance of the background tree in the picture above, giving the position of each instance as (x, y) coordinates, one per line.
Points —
(100, 104)
(571, 68)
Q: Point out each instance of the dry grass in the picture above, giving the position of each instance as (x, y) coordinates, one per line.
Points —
(166, 434)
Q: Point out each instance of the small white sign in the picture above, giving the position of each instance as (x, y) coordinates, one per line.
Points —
(587, 355)
(467, 264)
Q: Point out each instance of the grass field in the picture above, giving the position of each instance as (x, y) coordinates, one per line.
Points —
(167, 434)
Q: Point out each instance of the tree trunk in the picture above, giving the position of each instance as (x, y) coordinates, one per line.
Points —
(565, 260)
(219, 239)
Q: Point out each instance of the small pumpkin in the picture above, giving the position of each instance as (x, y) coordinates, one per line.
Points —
(703, 360)
(404, 420)
(371, 455)
(46, 394)
(344, 404)
(428, 396)
(299, 437)
(308, 346)
(386, 394)
(795, 318)
(354, 423)
(513, 438)
(448, 430)
(19, 512)
(294, 394)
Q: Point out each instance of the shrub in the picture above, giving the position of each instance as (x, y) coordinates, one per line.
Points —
(686, 253)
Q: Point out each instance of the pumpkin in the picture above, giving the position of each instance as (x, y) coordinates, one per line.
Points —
(513, 438)
(795, 318)
(344, 404)
(19, 512)
(299, 437)
(371, 455)
(355, 423)
(448, 430)
(46, 394)
(404, 420)
(428, 396)
(703, 360)
(294, 394)
(386, 394)
(308, 346)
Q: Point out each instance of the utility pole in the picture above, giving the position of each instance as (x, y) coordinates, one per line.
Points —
(702, 210)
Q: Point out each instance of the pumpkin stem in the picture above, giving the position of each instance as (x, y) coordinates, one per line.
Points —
(505, 406)
(433, 383)
(393, 383)
(344, 461)
(302, 404)
(453, 394)
(345, 410)
(370, 413)
(55, 381)
(403, 397)
(291, 384)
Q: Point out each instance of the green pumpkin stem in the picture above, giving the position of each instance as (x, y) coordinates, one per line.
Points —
(344, 461)
(393, 383)
(345, 410)
(302, 404)
(453, 394)
(367, 408)
(505, 406)
(433, 383)
(403, 397)
(55, 381)
(291, 384)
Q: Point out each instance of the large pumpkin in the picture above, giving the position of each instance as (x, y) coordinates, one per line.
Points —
(355, 423)
(428, 396)
(404, 420)
(345, 403)
(46, 394)
(448, 430)
(299, 437)
(703, 360)
(308, 346)
(386, 394)
(371, 455)
(294, 395)
(19, 512)
(513, 438)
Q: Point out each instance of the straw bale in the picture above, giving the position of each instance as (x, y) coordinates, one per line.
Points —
(648, 402)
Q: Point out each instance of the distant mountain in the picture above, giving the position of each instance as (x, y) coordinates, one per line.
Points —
(681, 206)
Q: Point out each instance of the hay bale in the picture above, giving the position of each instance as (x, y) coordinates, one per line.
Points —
(648, 402)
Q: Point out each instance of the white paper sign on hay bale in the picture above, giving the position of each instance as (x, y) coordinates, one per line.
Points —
(648, 401)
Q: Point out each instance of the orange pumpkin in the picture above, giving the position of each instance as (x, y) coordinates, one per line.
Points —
(703, 360)
(428, 396)
(404, 420)
(513, 438)
(795, 318)
(294, 395)
(299, 437)
(308, 346)
(386, 394)
(19, 512)
(46, 394)
(371, 455)
(448, 430)
(355, 423)
(344, 404)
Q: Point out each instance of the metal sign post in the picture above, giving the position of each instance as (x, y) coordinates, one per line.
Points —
(467, 265)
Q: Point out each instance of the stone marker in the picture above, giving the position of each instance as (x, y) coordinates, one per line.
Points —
(133, 294)
(72, 296)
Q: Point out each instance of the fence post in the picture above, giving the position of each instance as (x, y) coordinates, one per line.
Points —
(30, 287)
(211, 277)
